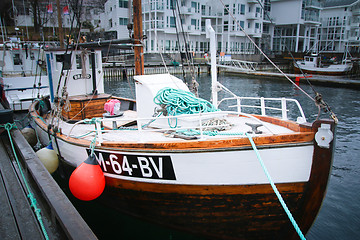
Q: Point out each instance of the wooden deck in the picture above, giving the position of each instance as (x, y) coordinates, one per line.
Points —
(17, 218)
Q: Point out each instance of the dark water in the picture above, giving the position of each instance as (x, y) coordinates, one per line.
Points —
(339, 217)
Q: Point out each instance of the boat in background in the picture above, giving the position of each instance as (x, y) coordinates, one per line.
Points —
(24, 73)
(313, 65)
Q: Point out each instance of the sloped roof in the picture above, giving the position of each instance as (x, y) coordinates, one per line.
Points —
(335, 3)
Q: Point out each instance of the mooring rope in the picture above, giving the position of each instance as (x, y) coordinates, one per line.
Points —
(32, 199)
(192, 132)
(282, 202)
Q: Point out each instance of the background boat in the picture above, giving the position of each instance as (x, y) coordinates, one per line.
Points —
(313, 65)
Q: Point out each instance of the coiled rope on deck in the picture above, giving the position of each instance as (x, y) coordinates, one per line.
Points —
(177, 101)
(32, 199)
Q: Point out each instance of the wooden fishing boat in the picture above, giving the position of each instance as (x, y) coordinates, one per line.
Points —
(212, 172)
(313, 65)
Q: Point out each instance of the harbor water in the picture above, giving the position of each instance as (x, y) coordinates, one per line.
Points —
(339, 217)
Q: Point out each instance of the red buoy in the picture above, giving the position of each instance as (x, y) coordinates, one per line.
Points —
(87, 181)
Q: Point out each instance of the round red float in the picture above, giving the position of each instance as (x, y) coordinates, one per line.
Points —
(87, 182)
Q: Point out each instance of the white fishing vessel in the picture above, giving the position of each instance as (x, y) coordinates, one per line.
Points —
(24, 74)
(180, 161)
(313, 65)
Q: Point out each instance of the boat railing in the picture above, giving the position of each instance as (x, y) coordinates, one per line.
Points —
(266, 106)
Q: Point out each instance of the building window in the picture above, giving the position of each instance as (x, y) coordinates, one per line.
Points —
(242, 24)
(194, 5)
(17, 59)
(226, 26)
(123, 3)
(226, 9)
(110, 23)
(167, 45)
(123, 21)
(193, 23)
(242, 9)
(171, 4)
(172, 22)
(78, 61)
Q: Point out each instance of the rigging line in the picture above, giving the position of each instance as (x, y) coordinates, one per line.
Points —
(319, 102)
(66, 50)
(257, 47)
(178, 39)
(160, 52)
(56, 113)
(190, 64)
(73, 56)
(79, 24)
(288, 50)
(92, 96)
(194, 83)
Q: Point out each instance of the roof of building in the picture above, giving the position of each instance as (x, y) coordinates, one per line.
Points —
(336, 3)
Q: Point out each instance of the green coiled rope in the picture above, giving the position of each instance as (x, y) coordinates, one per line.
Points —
(179, 101)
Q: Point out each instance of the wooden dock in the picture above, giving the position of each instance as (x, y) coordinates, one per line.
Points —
(18, 220)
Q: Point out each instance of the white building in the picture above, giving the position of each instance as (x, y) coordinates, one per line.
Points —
(276, 25)
(167, 27)
(116, 16)
(340, 26)
(296, 24)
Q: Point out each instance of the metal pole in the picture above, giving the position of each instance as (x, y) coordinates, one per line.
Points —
(93, 65)
(210, 33)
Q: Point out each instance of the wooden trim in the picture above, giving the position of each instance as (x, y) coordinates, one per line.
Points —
(204, 189)
(195, 145)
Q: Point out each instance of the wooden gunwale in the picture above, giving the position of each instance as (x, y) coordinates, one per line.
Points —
(222, 144)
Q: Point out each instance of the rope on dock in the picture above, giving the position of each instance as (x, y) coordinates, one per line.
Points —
(8, 127)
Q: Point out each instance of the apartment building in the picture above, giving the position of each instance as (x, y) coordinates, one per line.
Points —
(178, 25)
(340, 26)
(172, 26)
(296, 24)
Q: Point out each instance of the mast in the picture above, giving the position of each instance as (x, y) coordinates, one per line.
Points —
(138, 36)
(61, 33)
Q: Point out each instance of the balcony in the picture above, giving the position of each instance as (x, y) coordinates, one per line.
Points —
(356, 12)
(210, 14)
(185, 10)
(253, 32)
(313, 4)
(253, 16)
(354, 39)
(312, 19)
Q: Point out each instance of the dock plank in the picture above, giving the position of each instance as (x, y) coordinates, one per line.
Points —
(26, 224)
(8, 227)
(67, 216)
